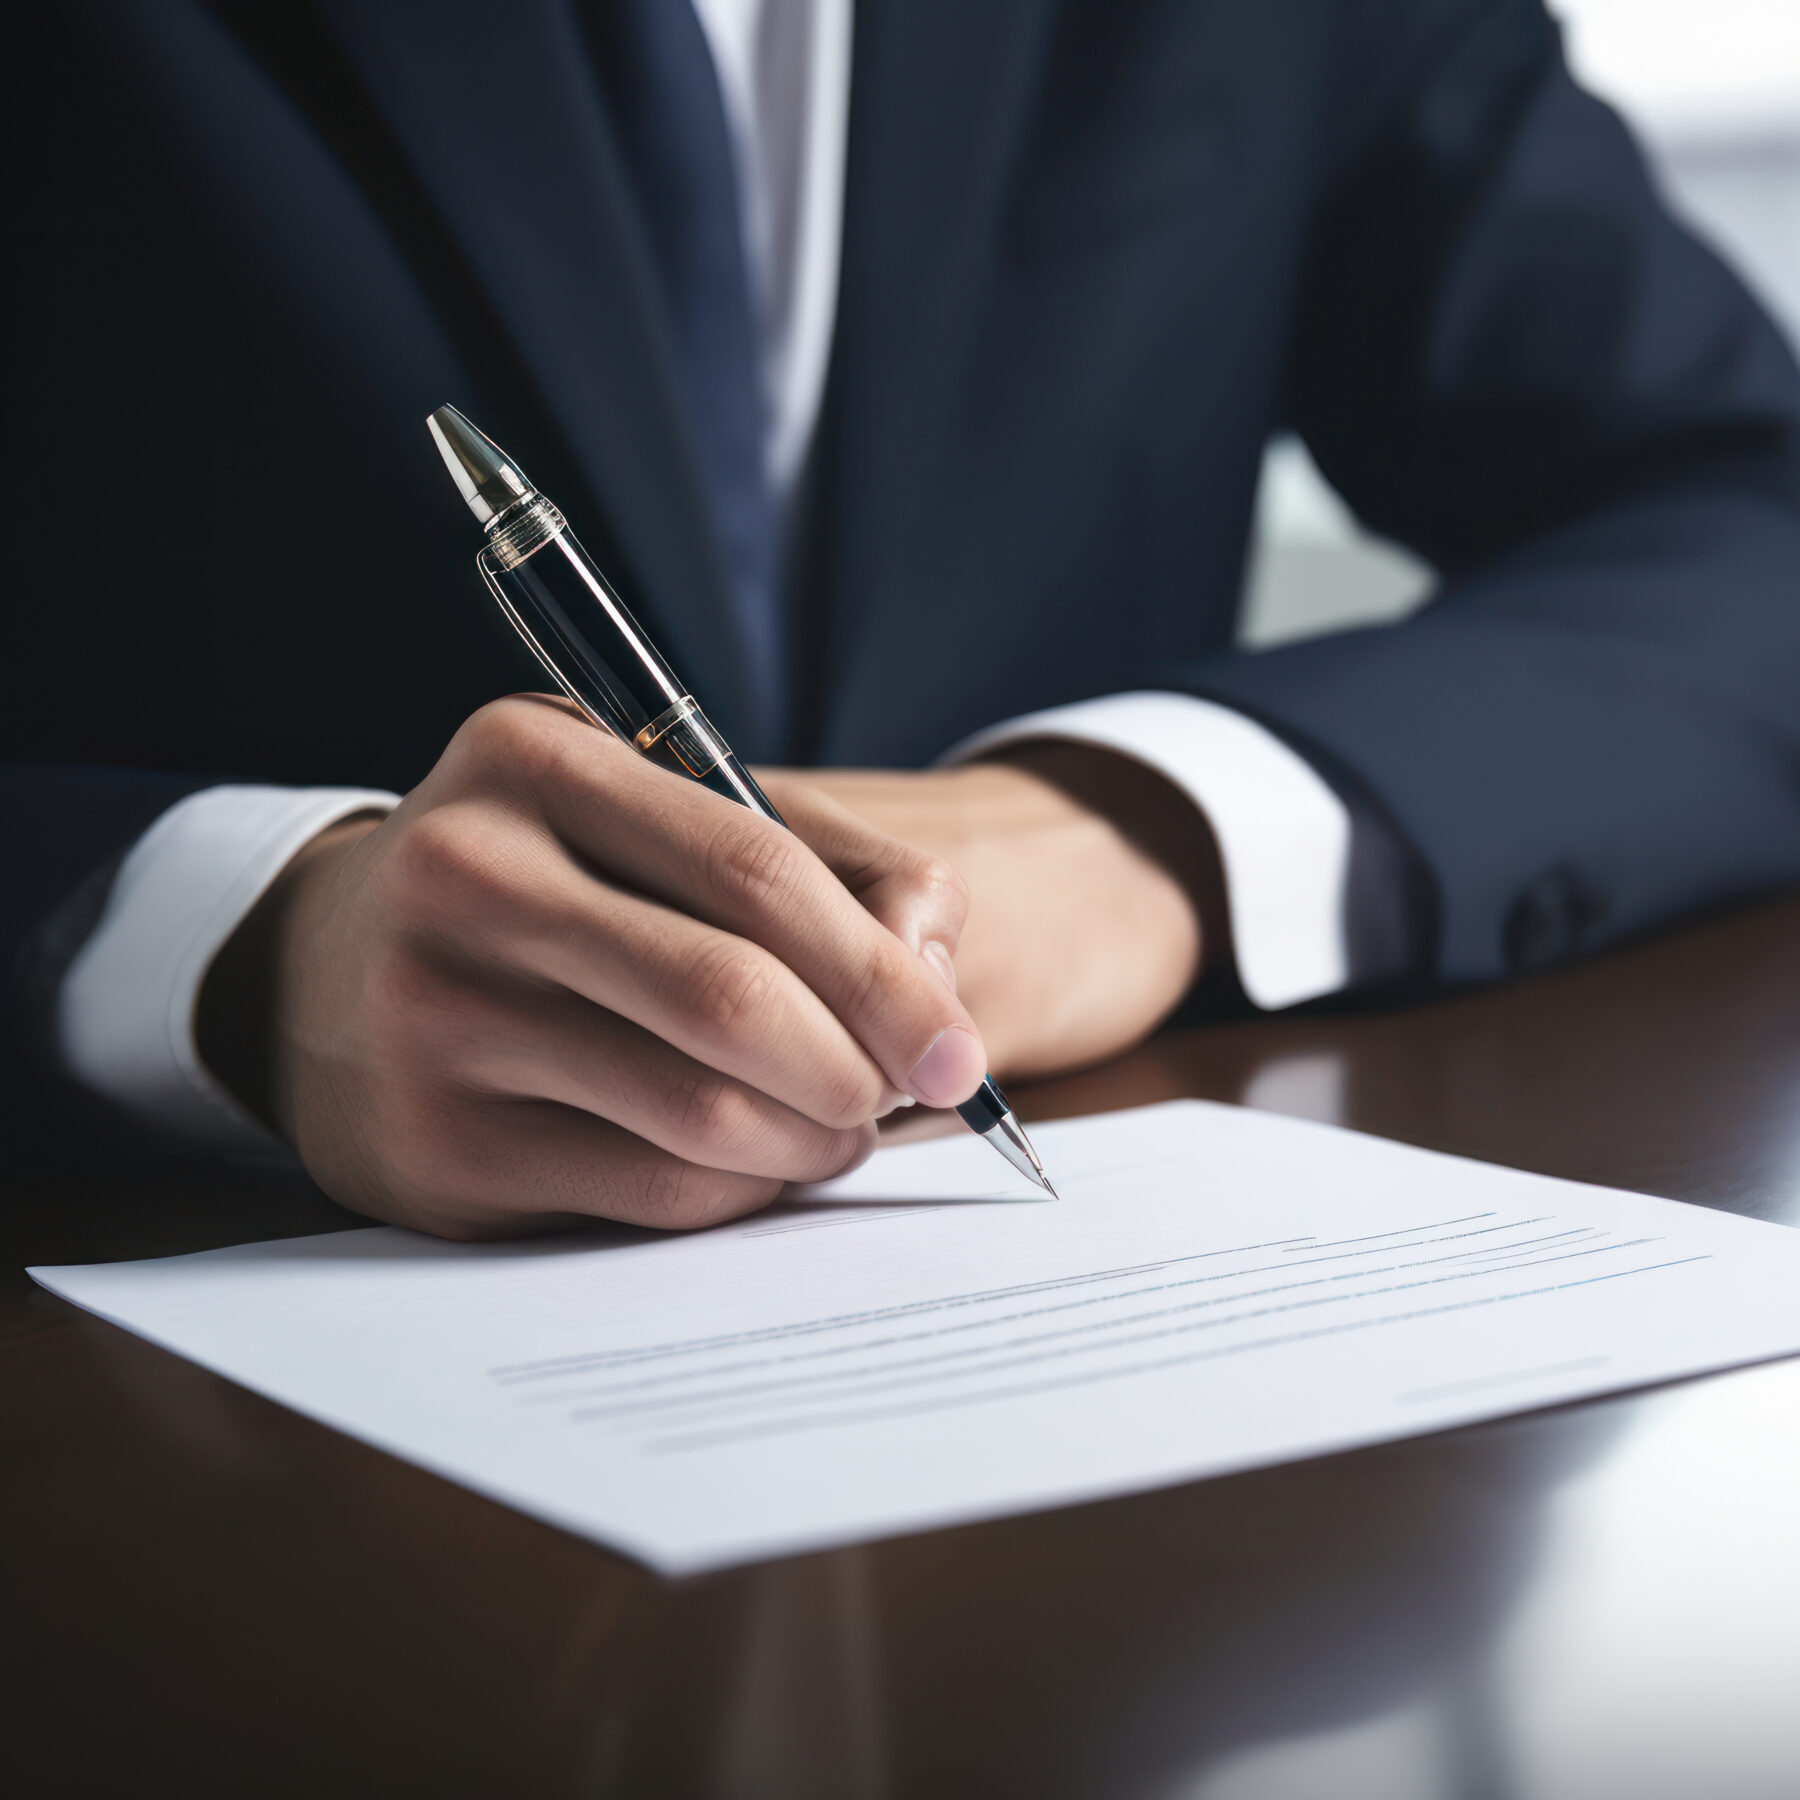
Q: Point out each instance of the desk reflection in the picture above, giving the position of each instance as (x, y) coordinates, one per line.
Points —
(1131, 1648)
(208, 1593)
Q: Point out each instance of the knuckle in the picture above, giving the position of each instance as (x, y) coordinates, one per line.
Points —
(438, 852)
(712, 1112)
(520, 743)
(750, 865)
(673, 1195)
(866, 994)
(724, 988)
(883, 990)
(931, 889)
(659, 1193)
(679, 1195)
(510, 724)
(491, 734)
(455, 865)
(943, 886)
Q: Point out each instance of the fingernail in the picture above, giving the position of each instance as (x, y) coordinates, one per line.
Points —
(941, 963)
(950, 1071)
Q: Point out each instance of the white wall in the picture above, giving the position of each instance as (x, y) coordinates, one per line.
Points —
(1713, 87)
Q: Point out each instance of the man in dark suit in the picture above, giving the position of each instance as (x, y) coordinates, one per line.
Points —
(1067, 268)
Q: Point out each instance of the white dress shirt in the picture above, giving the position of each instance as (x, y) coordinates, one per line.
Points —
(126, 1007)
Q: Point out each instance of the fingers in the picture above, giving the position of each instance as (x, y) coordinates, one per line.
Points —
(498, 1168)
(528, 910)
(720, 864)
(560, 983)
(607, 992)
(552, 1045)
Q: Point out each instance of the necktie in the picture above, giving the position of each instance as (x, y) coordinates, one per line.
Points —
(664, 94)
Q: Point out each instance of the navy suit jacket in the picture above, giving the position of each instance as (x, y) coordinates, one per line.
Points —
(1095, 253)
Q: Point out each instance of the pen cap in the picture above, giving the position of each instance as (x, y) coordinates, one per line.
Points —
(484, 475)
(575, 625)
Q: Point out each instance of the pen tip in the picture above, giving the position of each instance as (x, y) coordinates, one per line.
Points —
(1002, 1129)
(1037, 1166)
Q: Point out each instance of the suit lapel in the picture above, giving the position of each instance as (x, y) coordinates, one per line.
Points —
(941, 100)
(527, 182)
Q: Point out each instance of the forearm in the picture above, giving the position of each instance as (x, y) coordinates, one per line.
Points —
(1586, 740)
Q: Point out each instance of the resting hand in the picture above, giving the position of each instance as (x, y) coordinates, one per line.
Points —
(558, 981)
(1094, 892)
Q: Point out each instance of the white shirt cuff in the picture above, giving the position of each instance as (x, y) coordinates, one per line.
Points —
(125, 1011)
(1284, 835)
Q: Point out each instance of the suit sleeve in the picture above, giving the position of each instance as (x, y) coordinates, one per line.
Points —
(1509, 356)
(67, 829)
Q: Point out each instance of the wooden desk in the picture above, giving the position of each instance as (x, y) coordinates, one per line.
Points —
(206, 1593)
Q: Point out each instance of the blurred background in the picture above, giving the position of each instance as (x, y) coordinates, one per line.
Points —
(1712, 88)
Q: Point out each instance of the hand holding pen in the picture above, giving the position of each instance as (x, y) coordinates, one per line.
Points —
(602, 659)
(557, 983)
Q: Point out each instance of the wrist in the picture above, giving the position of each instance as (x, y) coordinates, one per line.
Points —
(237, 1014)
(1158, 824)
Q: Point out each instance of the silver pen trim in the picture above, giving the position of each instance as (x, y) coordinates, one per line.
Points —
(1007, 1136)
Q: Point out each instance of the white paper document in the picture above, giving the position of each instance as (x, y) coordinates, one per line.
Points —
(1217, 1289)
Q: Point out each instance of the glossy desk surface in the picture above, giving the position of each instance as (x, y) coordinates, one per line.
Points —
(206, 1593)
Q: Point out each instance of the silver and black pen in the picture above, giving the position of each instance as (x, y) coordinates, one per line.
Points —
(598, 655)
